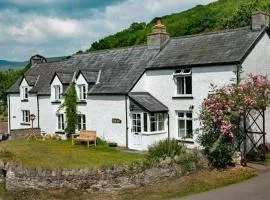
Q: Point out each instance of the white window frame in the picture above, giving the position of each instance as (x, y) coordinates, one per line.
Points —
(185, 118)
(57, 92)
(136, 123)
(25, 94)
(157, 120)
(26, 116)
(82, 92)
(60, 122)
(183, 74)
(82, 120)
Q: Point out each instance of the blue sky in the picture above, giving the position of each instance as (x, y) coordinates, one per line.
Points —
(62, 27)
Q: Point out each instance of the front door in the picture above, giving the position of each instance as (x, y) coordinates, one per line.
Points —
(136, 129)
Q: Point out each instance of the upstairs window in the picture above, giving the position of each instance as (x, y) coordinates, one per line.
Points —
(82, 92)
(26, 116)
(81, 122)
(185, 125)
(25, 93)
(57, 93)
(183, 79)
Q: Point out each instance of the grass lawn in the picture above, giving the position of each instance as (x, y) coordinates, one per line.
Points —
(61, 154)
(187, 185)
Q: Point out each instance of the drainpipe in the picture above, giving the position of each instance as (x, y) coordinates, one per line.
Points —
(38, 111)
(8, 96)
(126, 121)
(169, 137)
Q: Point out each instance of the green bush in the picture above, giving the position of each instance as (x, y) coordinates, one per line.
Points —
(101, 141)
(165, 148)
(187, 161)
(218, 149)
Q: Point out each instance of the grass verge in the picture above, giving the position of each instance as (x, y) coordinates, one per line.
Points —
(61, 154)
(187, 185)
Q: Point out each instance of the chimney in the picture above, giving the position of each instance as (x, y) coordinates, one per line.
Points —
(37, 59)
(259, 20)
(158, 38)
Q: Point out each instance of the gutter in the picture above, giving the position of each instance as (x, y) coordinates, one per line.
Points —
(126, 121)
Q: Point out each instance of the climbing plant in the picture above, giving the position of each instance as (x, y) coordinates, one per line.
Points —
(220, 114)
(71, 107)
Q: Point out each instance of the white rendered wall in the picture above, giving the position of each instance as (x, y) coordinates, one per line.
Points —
(160, 83)
(17, 105)
(258, 61)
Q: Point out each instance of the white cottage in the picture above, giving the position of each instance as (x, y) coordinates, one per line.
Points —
(138, 95)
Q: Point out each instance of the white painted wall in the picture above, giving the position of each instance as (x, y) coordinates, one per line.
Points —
(258, 61)
(160, 83)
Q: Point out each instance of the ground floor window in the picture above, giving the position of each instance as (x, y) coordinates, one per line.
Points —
(26, 116)
(136, 123)
(61, 122)
(148, 122)
(81, 122)
(157, 122)
(185, 125)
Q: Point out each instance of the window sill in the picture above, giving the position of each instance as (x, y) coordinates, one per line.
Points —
(154, 133)
(82, 102)
(56, 102)
(183, 97)
(24, 100)
(61, 132)
(25, 124)
(187, 141)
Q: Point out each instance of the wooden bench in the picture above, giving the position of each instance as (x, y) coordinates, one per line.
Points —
(85, 136)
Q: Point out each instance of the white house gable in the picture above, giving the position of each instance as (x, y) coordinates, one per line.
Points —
(24, 90)
(81, 87)
(56, 89)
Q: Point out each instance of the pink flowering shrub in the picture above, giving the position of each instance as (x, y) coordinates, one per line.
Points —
(221, 111)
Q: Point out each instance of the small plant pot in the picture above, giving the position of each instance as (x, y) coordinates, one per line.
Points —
(112, 144)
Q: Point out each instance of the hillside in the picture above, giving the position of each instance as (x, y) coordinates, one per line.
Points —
(219, 15)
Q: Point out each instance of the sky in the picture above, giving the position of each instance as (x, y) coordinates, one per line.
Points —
(62, 27)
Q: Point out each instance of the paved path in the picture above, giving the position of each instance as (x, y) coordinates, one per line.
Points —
(257, 188)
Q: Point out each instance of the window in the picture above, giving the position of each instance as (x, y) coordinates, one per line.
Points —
(157, 122)
(145, 122)
(183, 80)
(25, 93)
(26, 116)
(81, 122)
(57, 92)
(61, 123)
(82, 92)
(136, 123)
(185, 125)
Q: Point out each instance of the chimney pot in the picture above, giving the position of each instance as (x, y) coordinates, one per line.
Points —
(259, 20)
(37, 59)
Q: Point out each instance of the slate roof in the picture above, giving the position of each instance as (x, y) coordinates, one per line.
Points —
(148, 102)
(215, 48)
(31, 80)
(121, 68)
(65, 78)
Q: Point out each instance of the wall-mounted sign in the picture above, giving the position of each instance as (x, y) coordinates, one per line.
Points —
(116, 121)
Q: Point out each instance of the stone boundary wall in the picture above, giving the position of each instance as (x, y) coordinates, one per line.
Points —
(19, 133)
(104, 179)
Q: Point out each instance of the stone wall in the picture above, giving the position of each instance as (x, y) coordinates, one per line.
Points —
(104, 179)
(18, 133)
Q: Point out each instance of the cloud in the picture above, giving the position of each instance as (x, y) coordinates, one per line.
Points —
(50, 33)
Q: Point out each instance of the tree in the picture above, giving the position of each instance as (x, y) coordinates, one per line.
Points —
(70, 104)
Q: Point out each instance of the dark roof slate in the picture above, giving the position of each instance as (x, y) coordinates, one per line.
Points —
(207, 49)
(148, 102)
(90, 76)
(65, 78)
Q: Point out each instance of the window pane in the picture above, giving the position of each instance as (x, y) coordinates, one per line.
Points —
(187, 71)
(181, 114)
(189, 129)
(145, 121)
(188, 85)
(181, 128)
(153, 123)
(189, 115)
(161, 122)
(180, 85)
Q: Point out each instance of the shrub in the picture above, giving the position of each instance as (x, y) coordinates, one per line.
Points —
(165, 148)
(101, 141)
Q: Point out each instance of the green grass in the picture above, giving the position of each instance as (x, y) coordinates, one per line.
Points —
(192, 184)
(61, 154)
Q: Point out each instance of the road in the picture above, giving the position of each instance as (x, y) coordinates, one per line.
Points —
(257, 188)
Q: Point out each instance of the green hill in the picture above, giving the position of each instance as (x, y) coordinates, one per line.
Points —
(219, 15)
